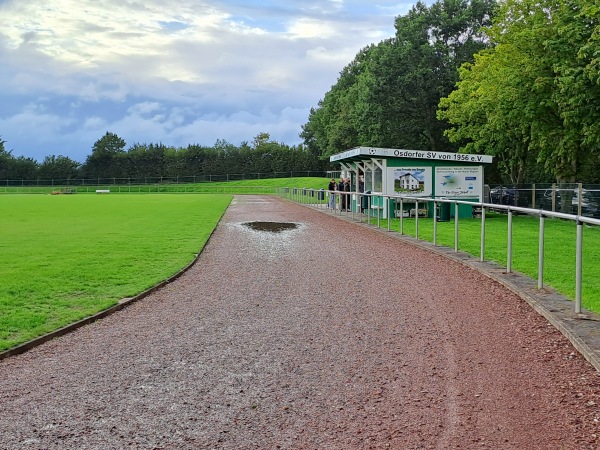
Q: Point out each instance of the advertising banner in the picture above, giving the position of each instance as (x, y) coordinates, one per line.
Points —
(414, 181)
(459, 181)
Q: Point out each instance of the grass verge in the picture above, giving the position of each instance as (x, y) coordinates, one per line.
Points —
(67, 257)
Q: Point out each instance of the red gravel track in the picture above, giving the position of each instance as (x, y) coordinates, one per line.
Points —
(332, 335)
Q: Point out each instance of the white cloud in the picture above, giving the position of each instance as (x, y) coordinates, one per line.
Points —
(94, 123)
(197, 70)
(144, 108)
(306, 28)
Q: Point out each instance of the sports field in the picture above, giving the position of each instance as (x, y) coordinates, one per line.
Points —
(65, 257)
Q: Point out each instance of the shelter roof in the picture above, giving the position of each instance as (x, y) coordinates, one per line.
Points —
(361, 153)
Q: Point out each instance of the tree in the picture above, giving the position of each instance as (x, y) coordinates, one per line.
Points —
(530, 99)
(388, 96)
(58, 168)
(110, 144)
(146, 160)
(260, 140)
(333, 126)
(23, 168)
(104, 160)
(486, 111)
(431, 43)
(5, 161)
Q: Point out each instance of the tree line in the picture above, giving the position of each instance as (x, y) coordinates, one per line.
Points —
(519, 80)
(111, 158)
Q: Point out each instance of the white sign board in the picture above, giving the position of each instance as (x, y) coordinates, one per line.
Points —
(459, 182)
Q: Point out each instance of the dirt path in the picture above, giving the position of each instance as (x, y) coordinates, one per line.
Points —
(327, 336)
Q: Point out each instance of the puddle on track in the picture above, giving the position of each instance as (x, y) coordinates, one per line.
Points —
(270, 240)
(271, 227)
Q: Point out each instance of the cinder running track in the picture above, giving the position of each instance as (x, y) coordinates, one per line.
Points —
(330, 336)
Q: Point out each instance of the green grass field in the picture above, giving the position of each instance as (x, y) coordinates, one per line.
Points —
(66, 257)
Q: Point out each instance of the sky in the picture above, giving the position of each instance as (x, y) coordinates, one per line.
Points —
(179, 72)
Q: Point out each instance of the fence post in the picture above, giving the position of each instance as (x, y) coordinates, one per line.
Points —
(540, 283)
(509, 243)
(455, 226)
(579, 198)
(578, 267)
(533, 196)
(482, 243)
(389, 214)
(434, 223)
(416, 219)
(401, 216)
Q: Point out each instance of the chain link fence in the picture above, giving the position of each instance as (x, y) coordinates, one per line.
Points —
(137, 181)
(575, 198)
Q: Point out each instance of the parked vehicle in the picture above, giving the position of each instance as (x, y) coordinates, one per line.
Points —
(589, 204)
(503, 196)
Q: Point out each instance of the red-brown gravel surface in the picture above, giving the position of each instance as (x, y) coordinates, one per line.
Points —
(329, 336)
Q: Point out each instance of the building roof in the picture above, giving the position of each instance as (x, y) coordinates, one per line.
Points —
(359, 153)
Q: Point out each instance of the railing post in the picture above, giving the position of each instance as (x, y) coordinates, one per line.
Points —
(509, 243)
(387, 202)
(578, 267)
(416, 219)
(401, 215)
(482, 243)
(540, 283)
(379, 211)
(360, 198)
(434, 223)
(456, 227)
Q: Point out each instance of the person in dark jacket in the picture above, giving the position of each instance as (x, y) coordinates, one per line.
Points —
(347, 187)
(331, 189)
(341, 188)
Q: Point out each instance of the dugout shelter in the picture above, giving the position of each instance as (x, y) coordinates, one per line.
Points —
(414, 174)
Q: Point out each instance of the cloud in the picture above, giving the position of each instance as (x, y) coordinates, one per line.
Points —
(197, 70)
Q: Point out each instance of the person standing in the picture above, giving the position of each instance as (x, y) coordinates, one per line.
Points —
(361, 189)
(331, 189)
(347, 187)
(341, 188)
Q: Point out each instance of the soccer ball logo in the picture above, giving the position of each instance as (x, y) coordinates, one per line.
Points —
(372, 151)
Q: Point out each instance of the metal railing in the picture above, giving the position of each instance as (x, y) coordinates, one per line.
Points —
(144, 180)
(371, 206)
(202, 188)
